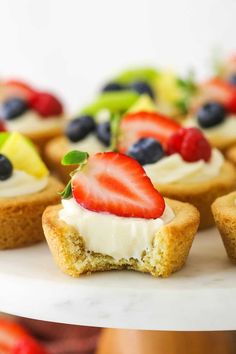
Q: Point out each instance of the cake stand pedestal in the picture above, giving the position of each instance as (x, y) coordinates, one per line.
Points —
(200, 297)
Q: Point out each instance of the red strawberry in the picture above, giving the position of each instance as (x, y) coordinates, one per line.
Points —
(18, 88)
(145, 124)
(222, 91)
(46, 104)
(28, 346)
(191, 144)
(117, 184)
(15, 340)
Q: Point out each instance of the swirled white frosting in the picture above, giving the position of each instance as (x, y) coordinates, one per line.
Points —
(173, 169)
(225, 129)
(31, 121)
(90, 144)
(118, 237)
(21, 183)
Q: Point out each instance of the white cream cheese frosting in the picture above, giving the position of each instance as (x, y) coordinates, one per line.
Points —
(21, 183)
(118, 237)
(31, 121)
(90, 144)
(173, 169)
(103, 116)
(226, 129)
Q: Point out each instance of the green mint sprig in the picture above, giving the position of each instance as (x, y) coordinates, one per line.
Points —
(73, 157)
(189, 88)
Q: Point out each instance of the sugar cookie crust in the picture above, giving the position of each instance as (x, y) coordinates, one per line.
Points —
(171, 245)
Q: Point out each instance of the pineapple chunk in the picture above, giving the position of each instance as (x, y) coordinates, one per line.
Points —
(23, 155)
(144, 103)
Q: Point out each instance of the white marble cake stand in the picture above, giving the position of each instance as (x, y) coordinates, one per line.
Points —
(202, 296)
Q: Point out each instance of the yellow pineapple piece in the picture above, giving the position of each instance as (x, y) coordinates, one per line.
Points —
(23, 155)
(144, 103)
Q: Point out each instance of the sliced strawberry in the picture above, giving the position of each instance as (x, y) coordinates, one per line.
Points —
(220, 90)
(135, 126)
(28, 346)
(117, 184)
(15, 340)
(18, 88)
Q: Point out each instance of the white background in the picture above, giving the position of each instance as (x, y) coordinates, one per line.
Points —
(72, 45)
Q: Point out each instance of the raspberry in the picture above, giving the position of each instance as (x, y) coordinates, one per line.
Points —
(191, 144)
(46, 104)
(175, 142)
(195, 146)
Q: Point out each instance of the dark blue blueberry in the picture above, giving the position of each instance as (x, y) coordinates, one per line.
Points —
(142, 87)
(6, 168)
(211, 114)
(104, 133)
(146, 151)
(13, 108)
(80, 127)
(232, 79)
(113, 86)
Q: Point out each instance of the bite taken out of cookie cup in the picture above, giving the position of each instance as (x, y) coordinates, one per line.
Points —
(54, 152)
(21, 217)
(170, 245)
(224, 212)
(202, 194)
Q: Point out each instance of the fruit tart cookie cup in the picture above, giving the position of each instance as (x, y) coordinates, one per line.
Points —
(171, 93)
(25, 191)
(82, 133)
(180, 162)
(111, 217)
(89, 131)
(224, 211)
(38, 115)
(214, 112)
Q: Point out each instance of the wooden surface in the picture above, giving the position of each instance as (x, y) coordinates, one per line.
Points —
(115, 341)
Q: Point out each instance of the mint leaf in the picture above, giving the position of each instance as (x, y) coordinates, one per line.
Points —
(75, 157)
(182, 105)
(67, 193)
(188, 88)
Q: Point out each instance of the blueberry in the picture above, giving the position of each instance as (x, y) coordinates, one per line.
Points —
(113, 86)
(104, 133)
(13, 108)
(80, 127)
(211, 114)
(232, 79)
(142, 87)
(6, 168)
(146, 151)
